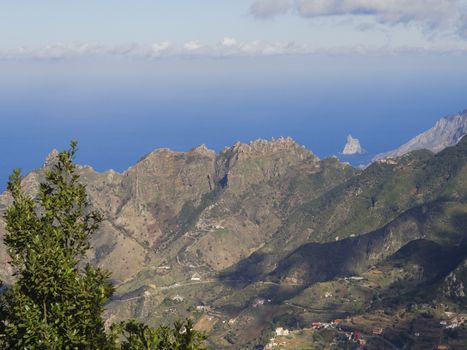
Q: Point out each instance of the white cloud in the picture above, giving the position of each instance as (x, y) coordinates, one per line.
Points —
(270, 8)
(159, 49)
(229, 42)
(227, 47)
(262, 48)
(430, 14)
(462, 26)
(192, 45)
(60, 51)
(67, 51)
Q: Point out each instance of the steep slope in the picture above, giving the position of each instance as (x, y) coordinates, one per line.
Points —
(315, 262)
(455, 284)
(374, 198)
(191, 209)
(328, 233)
(256, 235)
(430, 193)
(446, 132)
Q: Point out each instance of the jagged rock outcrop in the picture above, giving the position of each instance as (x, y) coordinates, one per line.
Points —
(352, 146)
(268, 219)
(166, 195)
(51, 158)
(446, 132)
(455, 283)
(243, 165)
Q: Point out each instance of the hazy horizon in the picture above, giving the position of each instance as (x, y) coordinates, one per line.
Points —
(119, 112)
(212, 72)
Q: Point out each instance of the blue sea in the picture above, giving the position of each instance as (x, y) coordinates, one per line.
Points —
(119, 111)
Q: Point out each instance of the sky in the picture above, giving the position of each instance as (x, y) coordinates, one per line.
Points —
(125, 77)
(150, 28)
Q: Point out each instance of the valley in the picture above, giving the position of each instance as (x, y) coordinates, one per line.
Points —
(266, 235)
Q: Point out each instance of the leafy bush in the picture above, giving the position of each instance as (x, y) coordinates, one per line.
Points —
(138, 336)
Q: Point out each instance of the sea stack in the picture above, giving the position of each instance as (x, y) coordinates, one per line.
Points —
(352, 146)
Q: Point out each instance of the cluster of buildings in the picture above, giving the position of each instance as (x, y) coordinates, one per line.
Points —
(260, 302)
(209, 227)
(320, 325)
(203, 308)
(177, 298)
(378, 331)
(279, 332)
(454, 322)
(196, 277)
(352, 336)
(355, 337)
(354, 278)
(325, 325)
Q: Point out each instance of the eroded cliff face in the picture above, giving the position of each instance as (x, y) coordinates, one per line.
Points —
(206, 211)
(195, 208)
(154, 191)
(243, 165)
(268, 218)
(455, 283)
(445, 133)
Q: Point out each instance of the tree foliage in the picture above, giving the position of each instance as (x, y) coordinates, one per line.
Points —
(56, 303)
(138, 336)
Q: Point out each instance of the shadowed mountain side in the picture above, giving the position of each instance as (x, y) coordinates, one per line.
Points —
(188, 207)
(238, 236)
(367, 202)
(415, 273)
(436, 261)
(316, 262)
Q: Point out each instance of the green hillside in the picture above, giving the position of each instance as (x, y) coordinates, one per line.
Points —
(265, 234)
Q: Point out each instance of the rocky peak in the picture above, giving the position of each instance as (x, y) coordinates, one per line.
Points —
(445, 133)
(50, 159)
(242, 165)
(450, 129)
(202, 150)
(160, 152)
(352, 146)
(164, 180)
(166, 154)
(261, 147)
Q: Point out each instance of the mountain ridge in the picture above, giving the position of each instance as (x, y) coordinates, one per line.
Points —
(214, 236)
(446, 132)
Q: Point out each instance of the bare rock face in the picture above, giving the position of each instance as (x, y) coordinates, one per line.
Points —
(456, 282)
(445, 133)
(243, 165)
(184, 228)
(167, 176)
(154, 191)
(167, 196)
(352, 146)
(51, 158)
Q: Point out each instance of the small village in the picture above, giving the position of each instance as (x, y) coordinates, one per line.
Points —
(352, 336)
(454, 322)
(279, 340)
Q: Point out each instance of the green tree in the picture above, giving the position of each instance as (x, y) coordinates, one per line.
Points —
(138, 336)
(56, 303)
